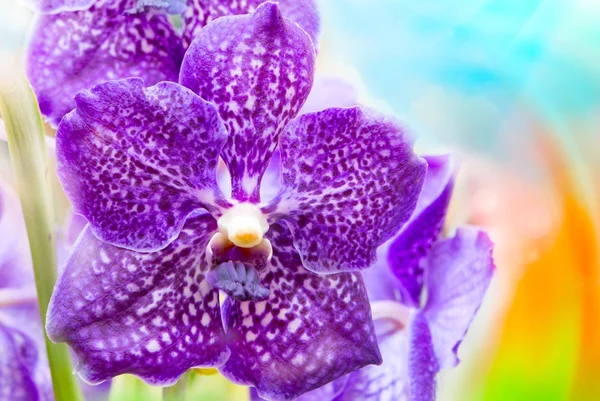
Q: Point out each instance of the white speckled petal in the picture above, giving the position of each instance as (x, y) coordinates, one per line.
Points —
(149, 314)
(310, 331)
(350, 180)
(136, 162)
(73, 51)
(258, 70)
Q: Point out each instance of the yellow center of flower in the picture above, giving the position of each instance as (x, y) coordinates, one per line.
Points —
(244, 225)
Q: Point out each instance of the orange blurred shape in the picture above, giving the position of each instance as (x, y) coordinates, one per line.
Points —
(549, 346)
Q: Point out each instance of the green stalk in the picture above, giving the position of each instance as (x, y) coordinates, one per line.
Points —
(177, 391)
(130, 388)
(27, 147)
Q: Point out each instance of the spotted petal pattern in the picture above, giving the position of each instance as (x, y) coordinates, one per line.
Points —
(136, 162)
(458, 273)
(201, 12)
(312, 330)
(72, 51)
(407, 250)
(258, 70)
(149, 314)
(350, 180)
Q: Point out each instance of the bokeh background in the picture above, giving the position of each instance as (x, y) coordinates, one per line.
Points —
(512, 87)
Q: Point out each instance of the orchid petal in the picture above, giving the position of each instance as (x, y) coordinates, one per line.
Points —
(149, 314)
(381, 284)
(201, 12)
(312, 329)
(407, 250)
(457, 274)
(23, 362)
(350, 180)
(72, 51)
(17, 366)
(258, 70)
(388, 382)
(422, 363)
(136, 162)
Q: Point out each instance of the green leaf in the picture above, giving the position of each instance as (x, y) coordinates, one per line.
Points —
(25, 134)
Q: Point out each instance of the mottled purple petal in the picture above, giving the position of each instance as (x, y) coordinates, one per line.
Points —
(258, 70)
(149, 314)
(18, 357)
(350, 180)
(201, 12)
(57, 6)
(406, 252)
(136, 162)
(312, 330)
(457, 274)
(72, 51)
(422, 363)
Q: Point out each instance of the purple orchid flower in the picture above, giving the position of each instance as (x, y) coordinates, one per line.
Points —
(77, 44)
(24, 373)
(418, 338)
(140, 293)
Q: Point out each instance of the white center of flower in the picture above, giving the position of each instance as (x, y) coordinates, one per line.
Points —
(244, 225)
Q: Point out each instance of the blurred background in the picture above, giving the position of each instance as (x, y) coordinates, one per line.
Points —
(513, 88)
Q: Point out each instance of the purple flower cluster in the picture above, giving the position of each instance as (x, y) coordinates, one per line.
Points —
(77, 44)
(286, 294)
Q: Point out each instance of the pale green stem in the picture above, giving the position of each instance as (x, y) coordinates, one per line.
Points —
(26, 144)
(130, 388)
(178, 390)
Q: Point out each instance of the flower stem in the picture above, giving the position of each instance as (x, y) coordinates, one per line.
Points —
(177, 391)
(26, 144)
(130, 388)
